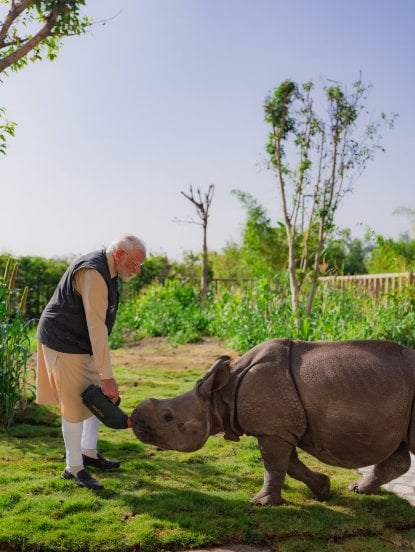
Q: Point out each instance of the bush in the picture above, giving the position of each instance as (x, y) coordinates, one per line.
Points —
(393, 318)
(173, 309)
(245, 318)
(14, 347)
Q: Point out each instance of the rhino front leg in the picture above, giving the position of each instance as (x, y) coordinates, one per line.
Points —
(276, 456)
(318, 483)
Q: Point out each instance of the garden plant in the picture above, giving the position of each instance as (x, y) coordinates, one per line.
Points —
(14, 346)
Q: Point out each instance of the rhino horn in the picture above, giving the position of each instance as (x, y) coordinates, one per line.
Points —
(215, 378)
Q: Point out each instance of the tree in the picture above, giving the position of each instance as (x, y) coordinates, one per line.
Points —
(330, 151)
(202, 205)
(40, 276)
(392, 256)
(228, 263)
(345, 255)
(264, 249)
(32, 30)
(407, 212)
(157, 268)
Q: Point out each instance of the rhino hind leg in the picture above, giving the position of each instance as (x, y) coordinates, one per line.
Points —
(397, 464)
(318, 483)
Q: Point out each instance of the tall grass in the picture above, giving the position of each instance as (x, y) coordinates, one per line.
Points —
(245, 318)
(14, 346)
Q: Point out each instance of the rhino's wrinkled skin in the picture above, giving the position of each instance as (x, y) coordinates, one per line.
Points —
(349, 404)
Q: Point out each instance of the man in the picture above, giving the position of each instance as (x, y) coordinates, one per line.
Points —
(73, 349)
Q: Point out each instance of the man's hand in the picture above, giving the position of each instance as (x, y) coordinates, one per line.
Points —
(110, 389)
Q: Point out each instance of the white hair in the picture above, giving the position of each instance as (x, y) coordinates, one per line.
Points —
(129, 242)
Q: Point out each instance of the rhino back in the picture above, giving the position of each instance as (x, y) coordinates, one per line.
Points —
(267, 402)
(357, 396)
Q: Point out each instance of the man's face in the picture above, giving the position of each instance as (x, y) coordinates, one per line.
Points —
(128, 263)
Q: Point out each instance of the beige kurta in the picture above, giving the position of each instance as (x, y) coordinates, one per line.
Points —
(61, 377)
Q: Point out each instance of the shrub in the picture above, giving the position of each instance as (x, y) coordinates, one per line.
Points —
(173, 309)
(14, 347)
(245, 318)
(394, 317)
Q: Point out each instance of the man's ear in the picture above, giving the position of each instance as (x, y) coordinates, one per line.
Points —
(117, 254)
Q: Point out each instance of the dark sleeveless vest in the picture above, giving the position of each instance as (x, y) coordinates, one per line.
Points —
(62, 325)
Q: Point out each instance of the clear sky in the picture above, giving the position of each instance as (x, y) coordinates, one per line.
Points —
(168, 94)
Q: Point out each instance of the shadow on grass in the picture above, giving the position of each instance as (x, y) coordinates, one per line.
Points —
(234, 519)
(218, 504)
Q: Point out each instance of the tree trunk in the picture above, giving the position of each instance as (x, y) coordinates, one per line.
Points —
(314, 275)
(292, 261)
(205, 268)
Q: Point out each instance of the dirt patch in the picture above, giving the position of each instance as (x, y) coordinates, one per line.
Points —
(236, 548)
(157, 350)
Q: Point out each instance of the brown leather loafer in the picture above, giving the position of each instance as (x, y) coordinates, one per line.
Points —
(100, 462)
(83, 479)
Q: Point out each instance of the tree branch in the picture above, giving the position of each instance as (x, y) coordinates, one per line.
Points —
(13, 14)
(202, 206)
(44, 32)
(189, 221)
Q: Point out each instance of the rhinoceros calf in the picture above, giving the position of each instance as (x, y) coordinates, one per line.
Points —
(349, 404)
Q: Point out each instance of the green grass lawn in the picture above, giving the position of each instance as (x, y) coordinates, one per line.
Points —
(164, 500)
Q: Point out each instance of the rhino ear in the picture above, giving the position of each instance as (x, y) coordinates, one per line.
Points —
(216, 377)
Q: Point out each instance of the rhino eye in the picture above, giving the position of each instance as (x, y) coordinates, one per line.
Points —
(167, 417)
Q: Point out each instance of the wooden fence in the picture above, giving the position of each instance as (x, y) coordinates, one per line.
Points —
(220, 284)
(373, 284)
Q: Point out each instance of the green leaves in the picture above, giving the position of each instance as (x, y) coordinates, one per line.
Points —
(33, 31)
(277, 106)
(264, 249)
(14, 347)
(277, 112)
(174, 309)
(6, 128)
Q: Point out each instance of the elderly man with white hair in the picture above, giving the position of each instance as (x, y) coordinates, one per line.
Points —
(73, 348)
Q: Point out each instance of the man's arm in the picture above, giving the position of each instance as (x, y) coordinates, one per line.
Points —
(94, 292)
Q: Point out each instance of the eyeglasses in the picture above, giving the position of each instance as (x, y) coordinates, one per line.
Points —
(135, 263)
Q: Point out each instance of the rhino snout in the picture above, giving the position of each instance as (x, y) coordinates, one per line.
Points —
(163, 424)
(141, 421)
(146, 434)
(149, 424)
